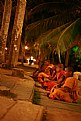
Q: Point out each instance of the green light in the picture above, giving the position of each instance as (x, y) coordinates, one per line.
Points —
(75, 48)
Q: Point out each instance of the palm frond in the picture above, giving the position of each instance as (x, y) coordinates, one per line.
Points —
(48, 41)
(69, 35)
(51, 7)
(35, 29)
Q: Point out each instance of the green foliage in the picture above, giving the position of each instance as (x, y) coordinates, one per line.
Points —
(36, 29)
(69, 35)
(75, 48)
(78, 56)
(60, 15)
(48, 41)
(44, 15)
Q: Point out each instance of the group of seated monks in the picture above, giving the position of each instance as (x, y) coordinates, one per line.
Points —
(59, 81)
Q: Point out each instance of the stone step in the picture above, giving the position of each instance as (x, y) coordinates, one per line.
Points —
(23, 88)
(19, 110)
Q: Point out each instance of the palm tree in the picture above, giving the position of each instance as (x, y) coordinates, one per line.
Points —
(39, 25)
(43, 19)
(4, 28)
(48, 41)
(17, 32)
(70, 37)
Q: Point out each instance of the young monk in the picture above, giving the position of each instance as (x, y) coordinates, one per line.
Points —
(46, 74)
(41, 69)
(57, 78)
(69, 91)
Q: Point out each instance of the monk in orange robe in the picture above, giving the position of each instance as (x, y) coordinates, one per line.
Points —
(68, 91)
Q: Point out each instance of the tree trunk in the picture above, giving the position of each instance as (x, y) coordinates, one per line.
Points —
(4, 28)
(59, 57)
(16, 32)
(67, 58)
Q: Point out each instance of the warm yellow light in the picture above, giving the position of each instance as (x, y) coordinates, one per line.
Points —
(26, 47)
(5, 48)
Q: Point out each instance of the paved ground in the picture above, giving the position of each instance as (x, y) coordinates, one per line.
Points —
(16, 100)
(58, 110)
(16, 97)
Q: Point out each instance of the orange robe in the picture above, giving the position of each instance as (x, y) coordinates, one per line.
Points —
(68, 92)
(49, 84)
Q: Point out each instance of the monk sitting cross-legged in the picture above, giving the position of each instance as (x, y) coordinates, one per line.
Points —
(41, 69)
(46, 74)
(56, 79)
(69, 90)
